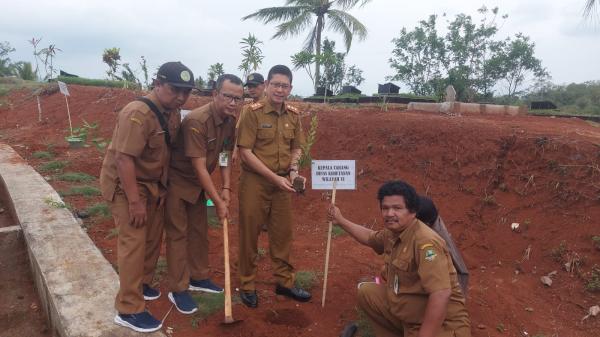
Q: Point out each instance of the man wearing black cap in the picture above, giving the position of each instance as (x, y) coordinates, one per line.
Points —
(133, 180)
(255, 83)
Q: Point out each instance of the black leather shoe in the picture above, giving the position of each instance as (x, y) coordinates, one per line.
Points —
(349, 330)
(250, 299)
(295, 293)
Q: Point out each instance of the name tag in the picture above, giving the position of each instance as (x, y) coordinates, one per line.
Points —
(266, 126)
(224, 159)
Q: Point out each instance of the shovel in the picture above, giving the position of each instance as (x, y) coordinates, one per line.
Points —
(228, 315)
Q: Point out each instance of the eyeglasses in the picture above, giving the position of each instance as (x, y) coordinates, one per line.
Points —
(232, 98)
(283, 86)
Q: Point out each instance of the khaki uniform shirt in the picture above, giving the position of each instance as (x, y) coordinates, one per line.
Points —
(417, 263)
(204, 134)
(271, 136)
(138, 133)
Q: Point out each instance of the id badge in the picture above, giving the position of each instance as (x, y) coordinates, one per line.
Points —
(224, 159)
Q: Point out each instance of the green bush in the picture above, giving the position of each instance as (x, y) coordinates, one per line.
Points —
(306, 279)
(208, 304)
(99, 209)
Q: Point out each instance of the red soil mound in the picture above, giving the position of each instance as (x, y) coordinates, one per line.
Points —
(484, 173)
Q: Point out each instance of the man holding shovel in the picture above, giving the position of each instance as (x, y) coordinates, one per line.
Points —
(421, 295)
(206, 139)
(269, 138)
(134, 180)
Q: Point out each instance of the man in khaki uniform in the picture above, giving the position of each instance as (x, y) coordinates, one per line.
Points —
(421, 295)
(134, 180)
(269, 138)
(255, 83)
(205, 140)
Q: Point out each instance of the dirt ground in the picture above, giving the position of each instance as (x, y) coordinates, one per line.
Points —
(483, 172)
(20, 311)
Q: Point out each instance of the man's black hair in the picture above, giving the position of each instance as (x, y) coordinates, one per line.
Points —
(227, 77)
(399, 187)
(281, 70)
(427, 213)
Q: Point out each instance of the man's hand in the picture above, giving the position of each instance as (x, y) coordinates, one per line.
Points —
(235, 156)
(137, 213)
(226, 196)
(284, 184)
(334, 214)
(222, 210)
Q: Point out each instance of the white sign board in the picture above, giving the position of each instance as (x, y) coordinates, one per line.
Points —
(63, 88)
(325, 172)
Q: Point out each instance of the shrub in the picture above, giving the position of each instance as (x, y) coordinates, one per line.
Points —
(306, 279)
(208, 304)
(42, 155)
(99, 209)
(76, 177)
(53, 166)
(87, 191)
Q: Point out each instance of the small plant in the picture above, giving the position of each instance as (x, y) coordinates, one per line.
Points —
(76, 177)
(56, 204)
(53, 166)
(593, 283)
(42, 155)
(208, 304)
(261, 252)
(306, 279)
(596, 240)
(558, 253)
(82, 132)
(337, 231)
(87, 191)
(489, 200)
(99, 209)
(112, 233)
(160, 270)
(500, 327)
(306, 158)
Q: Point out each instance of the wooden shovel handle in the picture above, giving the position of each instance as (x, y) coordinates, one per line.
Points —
(228, 314)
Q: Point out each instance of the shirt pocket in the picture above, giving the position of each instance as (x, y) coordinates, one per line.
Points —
(288, 133)
(155, 141)
(265, 134)
(407, 278)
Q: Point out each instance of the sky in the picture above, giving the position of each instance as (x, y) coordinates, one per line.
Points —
(201, 33)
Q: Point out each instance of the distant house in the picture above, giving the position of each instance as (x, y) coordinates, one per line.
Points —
(349, 89)
(388, 88)
(321, 92)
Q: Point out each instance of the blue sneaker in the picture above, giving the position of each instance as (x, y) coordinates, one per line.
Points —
(184, 303)
(140, 322)
(150, 293)
(205, 285)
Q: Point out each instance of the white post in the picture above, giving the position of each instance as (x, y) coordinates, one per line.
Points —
(327, 251)
(39, 109)
(69, 114)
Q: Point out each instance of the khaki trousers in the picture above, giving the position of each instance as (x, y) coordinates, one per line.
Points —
(372, 300)
(186, 228)
(262, 202)
(138, 250)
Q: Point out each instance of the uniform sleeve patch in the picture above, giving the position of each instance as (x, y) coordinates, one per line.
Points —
(430, 254)
(426, 245)
(135, 120)
(194, 130)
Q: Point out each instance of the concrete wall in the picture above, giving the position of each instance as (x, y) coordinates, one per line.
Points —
(75, 283)
(460, 108)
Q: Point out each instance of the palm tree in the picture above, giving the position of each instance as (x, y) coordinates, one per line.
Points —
(297, 15)
(590, 7)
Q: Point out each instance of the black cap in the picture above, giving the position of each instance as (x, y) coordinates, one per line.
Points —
(254, 78)
(176, 74)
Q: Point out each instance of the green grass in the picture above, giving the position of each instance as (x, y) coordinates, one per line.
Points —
(42, 155)
(160, 271)
(99, 209)
(112, 234)
(95, 82)
(208, 304)
(56, 204)
(53, 166)
(78, 177)
(8, 84)
(306, 279)
(364, 325)
(87, 191)
(593, 283)
(337, 231)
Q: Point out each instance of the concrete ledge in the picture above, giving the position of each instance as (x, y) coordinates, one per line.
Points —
(459, 108)
(75, 283)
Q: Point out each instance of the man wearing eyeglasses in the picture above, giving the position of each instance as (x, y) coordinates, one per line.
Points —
(270, 140)
(133, 179)
(205, 141)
